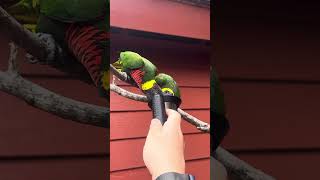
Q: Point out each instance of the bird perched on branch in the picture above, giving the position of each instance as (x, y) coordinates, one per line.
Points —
(219, 123)
(140, 69)
(75, 32)
(168, 84)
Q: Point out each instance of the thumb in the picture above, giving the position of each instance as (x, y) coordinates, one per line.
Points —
(155, 126)
(174, 119)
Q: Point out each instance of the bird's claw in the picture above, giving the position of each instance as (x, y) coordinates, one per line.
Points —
(53, 49)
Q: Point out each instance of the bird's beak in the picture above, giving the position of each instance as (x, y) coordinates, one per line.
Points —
(118, 65)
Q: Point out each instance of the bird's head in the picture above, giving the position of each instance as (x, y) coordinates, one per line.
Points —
(128, 61)
(167, 84)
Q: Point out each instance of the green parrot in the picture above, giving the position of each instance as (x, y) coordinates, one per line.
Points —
(76, 31)
(168, 84)
(28, 11)
(140, 69)
(219, 123)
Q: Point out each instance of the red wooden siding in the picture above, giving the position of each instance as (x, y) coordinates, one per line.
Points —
(78, 168)
(270, 74)
(140, 122)
(287, 165)
(165, 17)
(130, 120)
(273, 110)
(37, 145)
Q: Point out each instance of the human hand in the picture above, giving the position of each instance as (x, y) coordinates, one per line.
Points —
(164, 147)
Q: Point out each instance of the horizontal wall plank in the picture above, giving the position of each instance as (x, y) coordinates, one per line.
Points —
(268, 115)
(199, 168)
(267, 50)
(127, 154)
(179, 19)
(32, 131)
(202, 101)
(151, 43)
(293, 166)
(80, 169)
(123, 123)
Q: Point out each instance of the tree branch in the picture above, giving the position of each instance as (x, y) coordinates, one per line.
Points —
(205, 127)
(53, 103)
(238, 169)
(21, 36)
(202, 126)
(128, 94)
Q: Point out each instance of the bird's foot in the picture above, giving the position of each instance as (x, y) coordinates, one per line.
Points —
(54, 51)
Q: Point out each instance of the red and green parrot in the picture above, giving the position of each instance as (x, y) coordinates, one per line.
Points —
(140, 69)
(219, 123)
(75, 30)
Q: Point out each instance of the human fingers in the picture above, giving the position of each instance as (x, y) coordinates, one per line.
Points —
(174, 119)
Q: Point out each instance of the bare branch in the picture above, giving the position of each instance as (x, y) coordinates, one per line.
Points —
(238, 169)
(128, 94)
(12, 63)
(21, 36)
(205, 127)
(53, 103)
(202, 126)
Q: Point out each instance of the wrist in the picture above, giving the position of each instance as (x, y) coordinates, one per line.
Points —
(175, 176)
(158, 173)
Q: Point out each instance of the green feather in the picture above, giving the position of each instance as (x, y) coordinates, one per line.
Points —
(74, 10)
(166, 81)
